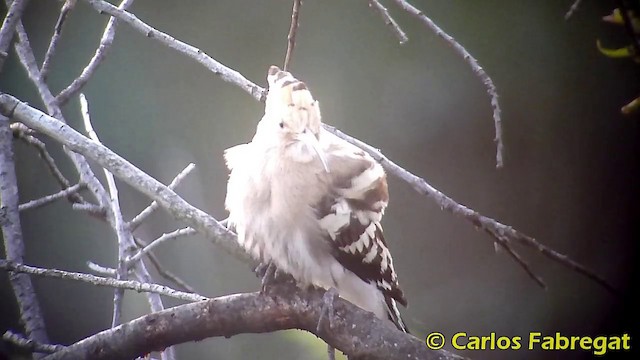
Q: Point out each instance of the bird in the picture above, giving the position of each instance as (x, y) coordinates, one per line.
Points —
(310, 203)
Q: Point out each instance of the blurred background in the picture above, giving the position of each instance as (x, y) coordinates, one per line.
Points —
(568, 176)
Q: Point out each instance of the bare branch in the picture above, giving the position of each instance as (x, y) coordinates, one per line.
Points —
(165, 237)
(136, 221)
(475, 66)
(102, 270)
(574, 7)
(119, 225)
(74, 197)
(91, 209)
(23, 290)
(227, 74)
(100, 281)
(28, 61)
(33, 204)
(53, 44)
(173, 203)
(355, 332)
(291, 38)
(168, 275)
(389, 21)
(101, 52)
(28, 344)
(15, 9)
(125, 242)
(500, 233)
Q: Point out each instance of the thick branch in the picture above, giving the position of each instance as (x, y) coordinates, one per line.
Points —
(355, 331)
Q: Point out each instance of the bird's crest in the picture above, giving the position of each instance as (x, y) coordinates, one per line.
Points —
(292, 99)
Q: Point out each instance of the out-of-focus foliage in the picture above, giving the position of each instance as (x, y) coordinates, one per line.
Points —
(631, 24)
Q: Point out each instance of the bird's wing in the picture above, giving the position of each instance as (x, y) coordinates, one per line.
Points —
(351, 214)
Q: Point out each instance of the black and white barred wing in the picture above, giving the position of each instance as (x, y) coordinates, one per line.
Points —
(351, 214)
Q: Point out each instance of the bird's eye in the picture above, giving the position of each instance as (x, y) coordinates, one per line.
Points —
(304, 131)
(281, 124)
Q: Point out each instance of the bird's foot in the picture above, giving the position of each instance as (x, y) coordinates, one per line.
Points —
(267, 274)
(327, 308)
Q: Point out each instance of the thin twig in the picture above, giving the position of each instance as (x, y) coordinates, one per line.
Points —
(122, 232)
(138, 219)
(291, 38)
(33, 204)
(225, 73)
(14, 248)
(100, 281)
(15, 9)
(101, 52)
(168, 275)
(475, 66)
(28, 344)
(165, 237)
(102, 270)
(53, 44)
(501, 233)
(50, 162)
(572, 9)
(389, 21)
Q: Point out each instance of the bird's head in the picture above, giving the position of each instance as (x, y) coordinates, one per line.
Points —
(293, 116)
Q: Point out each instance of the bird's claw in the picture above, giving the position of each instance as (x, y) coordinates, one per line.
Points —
(327, 308)
(267, 272)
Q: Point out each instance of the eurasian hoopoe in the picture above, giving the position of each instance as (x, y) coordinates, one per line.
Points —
(310, 203)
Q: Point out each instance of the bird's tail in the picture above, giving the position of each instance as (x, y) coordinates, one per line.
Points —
(394, 314)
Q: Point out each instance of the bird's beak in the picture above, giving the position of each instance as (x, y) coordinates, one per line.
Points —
(309, 139)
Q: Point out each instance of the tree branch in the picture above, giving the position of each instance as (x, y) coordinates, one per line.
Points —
(15, 9)
(165, 237)
(33, 204)
(53, 43)
(291, 38)
(389, 21)
(101, 53)
(120, 167)
(41, 148)
(227, 74)
(475, 66)
(28, 344)
(125, 239)
(138, 219)
(501, 233)
(355, 332)
(99, 281)
(28, 61)
(23, 290)
(574, 7)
